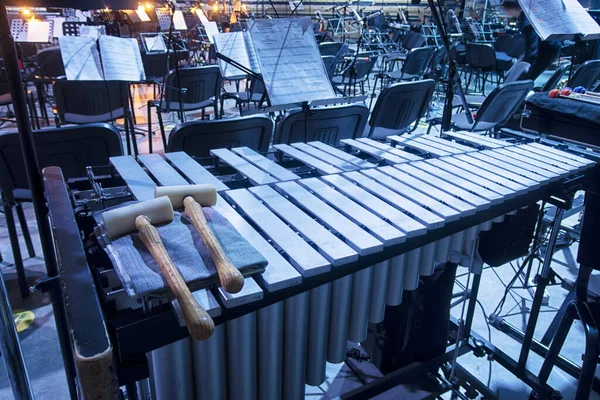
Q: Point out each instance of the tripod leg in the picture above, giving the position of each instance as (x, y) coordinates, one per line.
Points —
(25, 229)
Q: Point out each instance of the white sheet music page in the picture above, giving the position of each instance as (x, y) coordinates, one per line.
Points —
(202, 16)
(155, 44)
(121, 59)
(233, 45)
(560, 19)
(211, 29)
(39, 31)
(81, 58)
(179, 21)
(290, 61)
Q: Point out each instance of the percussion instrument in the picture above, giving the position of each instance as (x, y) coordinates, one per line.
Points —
(345, 231)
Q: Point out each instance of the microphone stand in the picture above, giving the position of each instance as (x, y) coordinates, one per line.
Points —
(454, 81)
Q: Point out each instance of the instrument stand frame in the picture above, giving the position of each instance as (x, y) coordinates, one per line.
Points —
(454, 81)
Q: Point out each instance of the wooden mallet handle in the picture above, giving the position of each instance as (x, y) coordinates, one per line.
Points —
(230, 277)
(199, 323)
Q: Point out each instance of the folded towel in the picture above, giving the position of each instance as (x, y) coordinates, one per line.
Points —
(141, 275)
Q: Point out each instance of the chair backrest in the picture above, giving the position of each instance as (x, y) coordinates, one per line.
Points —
(556, 77)
(399, 105)
(329, 48)
(515, 47)
(84, 102)
(155, 65)
(501, 41)
(329, 62)
(459, 52)
(50, 63)
(481, 55)
(502, 102)
(412, 40)
(328, 125)
(71, 148)
(417, 60)
(200, 84)
(197, 138)
(435, 62)
(587, 75)
(517, 71)
(362, 68)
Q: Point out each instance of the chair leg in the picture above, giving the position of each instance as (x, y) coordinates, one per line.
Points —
(162, 129)
(127, 138)
(14, 244)
(25, 229)
(150, 132)
(131, 105)
(129, 127)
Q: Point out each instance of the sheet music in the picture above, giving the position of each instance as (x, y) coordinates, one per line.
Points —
(560, 19)
(142, 14)
(155, 44)
(234, 46)
(81, 58)
(121, 59)
(202, 16)
(290, 61)
(93, 31)
(57, 28)
(211, 29)
(179, 21)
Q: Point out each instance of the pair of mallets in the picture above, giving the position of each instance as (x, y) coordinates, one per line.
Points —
(144, 215)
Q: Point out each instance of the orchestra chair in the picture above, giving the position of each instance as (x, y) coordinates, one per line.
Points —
(411, 40)
(355, 74)
(399, 106)
(413, 68)
(87, 102)
(191, 89)
(483, 62)
(330, 48)
(198, 138)
(496, 109)
(253, 94)
(476, 100)
(586, 75)
(6, 101)
(328, 124)
(49, 67)
(71, 148)
(555, 78)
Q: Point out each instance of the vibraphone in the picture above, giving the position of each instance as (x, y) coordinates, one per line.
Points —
(344, 234)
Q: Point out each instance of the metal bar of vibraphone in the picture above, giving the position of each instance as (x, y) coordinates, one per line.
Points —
(126, 333)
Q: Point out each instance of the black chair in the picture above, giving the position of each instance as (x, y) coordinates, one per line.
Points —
(49, 66)
(189, 90)
(328, 125)
(483, 61)
(497, 108)
(330, 65)
(330, 48)
(398, 106)
(253, 94)
(197, 138)
(356, 73)
(412, 69)
(435, 69)
(586, 75)
(86, 102)
(555, 78)
(6, 101)
(70, 148)
(476, 100)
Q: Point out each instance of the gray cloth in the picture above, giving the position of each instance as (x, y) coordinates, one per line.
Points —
(141, 275)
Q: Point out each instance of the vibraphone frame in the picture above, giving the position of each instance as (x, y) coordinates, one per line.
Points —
(91, 337)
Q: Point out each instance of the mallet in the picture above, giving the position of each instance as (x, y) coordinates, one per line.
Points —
(142, 216)
(193, 198)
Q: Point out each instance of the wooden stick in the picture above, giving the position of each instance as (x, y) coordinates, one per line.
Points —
(230, 277)
(199, 323)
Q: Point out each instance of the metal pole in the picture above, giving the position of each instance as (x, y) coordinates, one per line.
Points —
(11, 349)
(34, 177)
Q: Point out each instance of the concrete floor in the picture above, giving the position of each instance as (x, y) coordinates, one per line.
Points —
(42, 354)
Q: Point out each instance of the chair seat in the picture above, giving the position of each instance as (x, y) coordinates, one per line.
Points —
(174, 106)
(503, 61)
(242, 96)
(395, 57)
(472, 100)
(5, 99)
(460, 121)
(399, 76)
